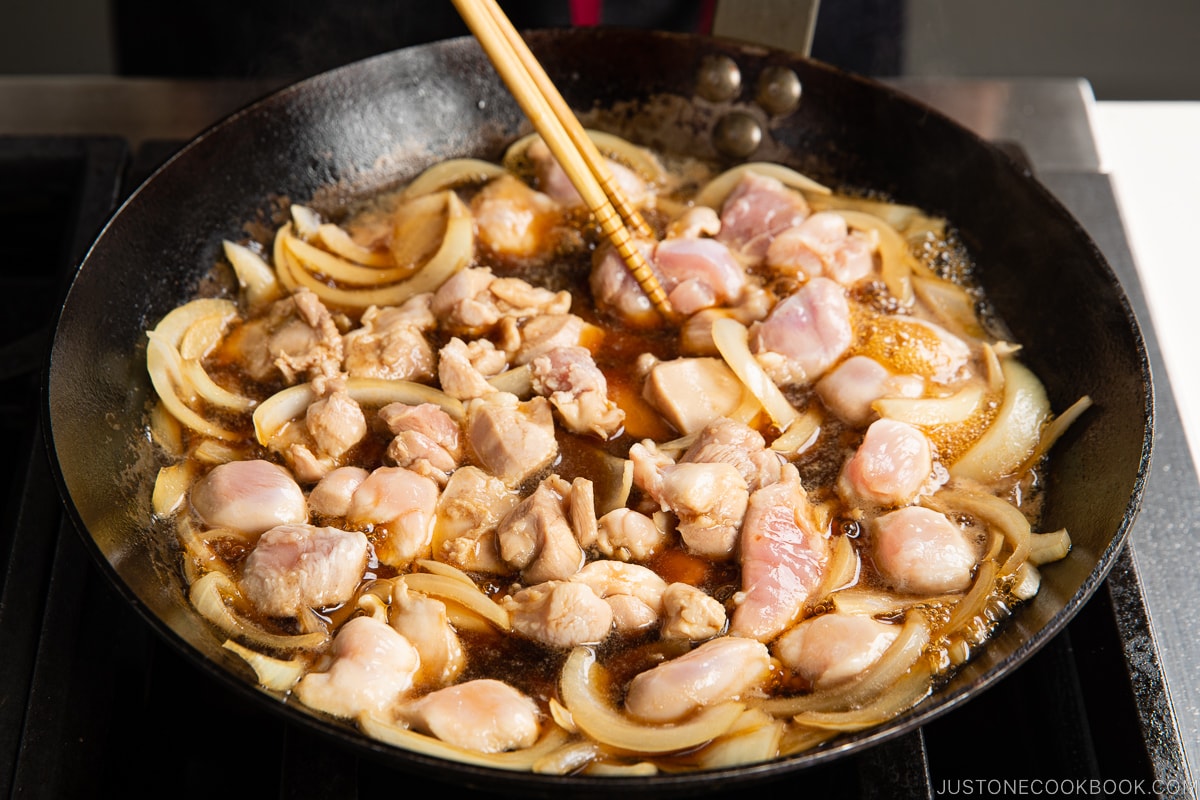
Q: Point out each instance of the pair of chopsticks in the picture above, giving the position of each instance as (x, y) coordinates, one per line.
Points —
(566, 138)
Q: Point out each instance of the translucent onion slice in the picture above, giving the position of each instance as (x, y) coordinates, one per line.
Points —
(615, 489)
(952, 304)
(897, 264)
(899, 216)
(1014, 434)
(284, 263)
(178, 321)
(995, 512)
(640, 769)
(208, 596)
(617, 148)
(449, 571)
(1028, 582)
(974, 602)
(928, 412)
(259, 282)
(517, 760)
(871, 683)
(340, 243)
(1055, 429)
(275, 674)
(466, 594)
(732, 341)
(597, 719)
(456, 251)
(450, 174)
(283, 407)
(171, 487)
(518, 381)
(909, 690)
(569, 758)
(800, 435)
(212, 392)
(715, 191)
(166, 431)
(338, 269)
(842, 570)
(163, 365)
(754, 738)
(305, 221)
(1047, 547)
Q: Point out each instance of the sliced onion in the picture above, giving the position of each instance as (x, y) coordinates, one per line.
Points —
(171, 487)
(468, 595)
(208, 596)
(165, 430)
(715, 191)
(176, 323)
(974, 602)
(617, 148)
(731, 339)
(929, 412)
(842, 570)
(905, 693)
(897, 264)
(518, 760)
(258, 281)
(163, 365)
(871, 683)
(617, 485)
(305, 221)
(800, 435)
(952, 304)
(1014, 434)
(899, 216)
(449, 571)
(283, 407)
(518, 381)
(456, 251)
(1047, 547)
(450, 174)
(1028, 582)
(754, 738)
(996, 513)
(610, 727)
(275, 674)
(211, 391)
(340, 243)
(338, 269)
(569, 758)
(1055, 429)
(876, 603)
(640, 769)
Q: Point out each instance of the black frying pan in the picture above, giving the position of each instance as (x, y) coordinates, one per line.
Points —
(374, 123)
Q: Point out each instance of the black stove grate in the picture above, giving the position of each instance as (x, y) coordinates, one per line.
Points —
(93, 704)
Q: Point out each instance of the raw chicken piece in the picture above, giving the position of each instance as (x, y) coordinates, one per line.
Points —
(468, 513)
(757, 210)
(850, 388)
(512, 219)
(536, 536)
(464, 367)
(690, 613)
(709, 499)
(805, 334)
(832, 648)
(553, 180)
(635, 593)
(920, 551)
(474, 300)
(373, 668)
(294, 567)
(692, 392)
(297, 338)
(617, 292)
(427, 439)
(628, 535)
(390, 342)
(823, 245)
(511, 439)
(698, 274)
(726, 441)
(892, 467)
(401, 504)
(335, 420)
(570, 379)
(547, 332)
(331, 496)
(484, 715)
(248, 496)
(783, 555)
(560, 614)
(424, 622)
(718, 670)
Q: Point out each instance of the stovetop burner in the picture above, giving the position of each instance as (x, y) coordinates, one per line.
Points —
(93, 704)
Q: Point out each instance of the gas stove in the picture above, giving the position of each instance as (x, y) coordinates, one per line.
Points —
(92, 703)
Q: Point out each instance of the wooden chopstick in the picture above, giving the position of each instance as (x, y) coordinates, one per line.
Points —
(566, 138)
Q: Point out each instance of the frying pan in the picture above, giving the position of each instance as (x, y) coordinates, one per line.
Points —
(372, 124)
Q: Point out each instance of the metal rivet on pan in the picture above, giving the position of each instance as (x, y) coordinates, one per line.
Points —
(737, 134)
(778, 90)
(718, 78)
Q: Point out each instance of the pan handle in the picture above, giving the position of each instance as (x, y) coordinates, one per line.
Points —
(783, 24)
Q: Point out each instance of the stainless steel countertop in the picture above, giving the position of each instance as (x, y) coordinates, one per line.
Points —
(1052, 121)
